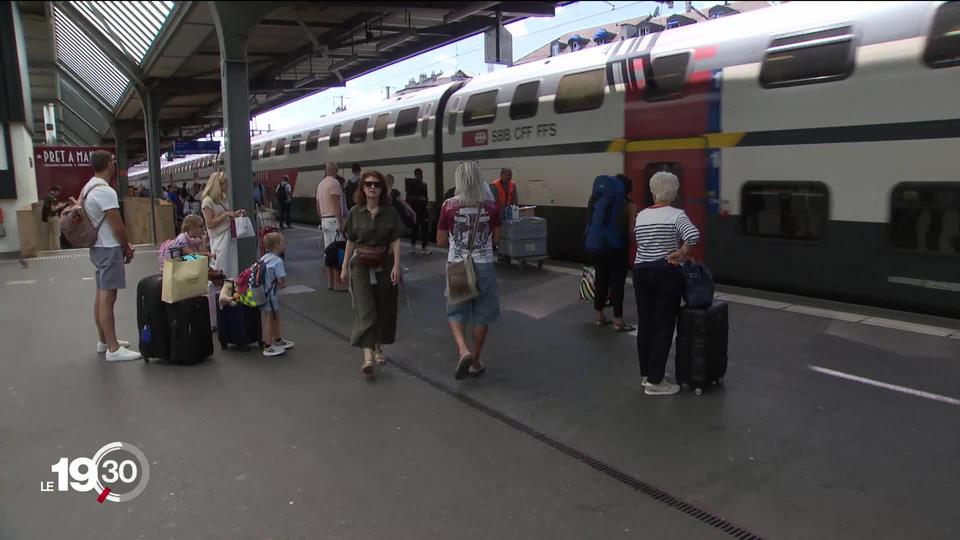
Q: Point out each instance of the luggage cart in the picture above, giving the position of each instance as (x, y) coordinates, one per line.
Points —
(524, 240)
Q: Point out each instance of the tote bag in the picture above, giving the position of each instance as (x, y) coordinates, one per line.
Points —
(183, 279)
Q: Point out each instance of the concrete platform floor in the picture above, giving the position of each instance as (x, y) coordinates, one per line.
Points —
(556, 441)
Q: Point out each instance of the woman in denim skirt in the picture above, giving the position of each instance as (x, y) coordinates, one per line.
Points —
(471, 202)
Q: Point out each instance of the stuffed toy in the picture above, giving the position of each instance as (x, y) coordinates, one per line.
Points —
(227, 295)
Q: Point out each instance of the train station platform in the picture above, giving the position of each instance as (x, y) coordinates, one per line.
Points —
(833, 421)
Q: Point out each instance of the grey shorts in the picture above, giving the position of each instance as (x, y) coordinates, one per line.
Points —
(111, 273)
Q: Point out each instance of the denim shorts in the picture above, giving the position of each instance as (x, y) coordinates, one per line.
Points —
(485, 308)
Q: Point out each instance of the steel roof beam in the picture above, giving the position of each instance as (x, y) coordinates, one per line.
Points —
(467, 11)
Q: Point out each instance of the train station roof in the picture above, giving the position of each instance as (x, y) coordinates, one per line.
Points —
(101, 50)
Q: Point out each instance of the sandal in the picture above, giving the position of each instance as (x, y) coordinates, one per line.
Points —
(367, 368)
(380, 357)
(604, 322)
(626, 327)
(477, 372)
(463, 367)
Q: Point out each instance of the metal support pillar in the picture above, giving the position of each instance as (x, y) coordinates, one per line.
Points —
(234, 21)
(151, 124)
(121, 135)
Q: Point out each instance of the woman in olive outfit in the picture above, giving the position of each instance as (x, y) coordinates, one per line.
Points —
(373, 230)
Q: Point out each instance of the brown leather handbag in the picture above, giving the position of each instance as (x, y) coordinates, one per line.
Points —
(371, 256)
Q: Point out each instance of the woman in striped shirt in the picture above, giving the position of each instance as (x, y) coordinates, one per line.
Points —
(664, 235)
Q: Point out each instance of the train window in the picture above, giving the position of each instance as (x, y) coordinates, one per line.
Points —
(335, 135)
(793, 210)
(313, 141)
(380, 126)
(358, 133)
(255, 151)
(525, 100)
(281, 146)
(267, 149)
(811, 58)
(652, 168)
(480, 109)
(925, 216)
(665, 77)
(943, 44)
(406, 122)
(579, 92)
(295, 143)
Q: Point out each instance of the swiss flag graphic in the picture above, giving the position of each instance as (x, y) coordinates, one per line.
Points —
(475, 138)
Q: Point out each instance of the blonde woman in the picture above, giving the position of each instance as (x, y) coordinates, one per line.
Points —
(471, 206)
(217, 215)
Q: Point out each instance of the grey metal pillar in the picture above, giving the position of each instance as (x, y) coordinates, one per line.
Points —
(234, 20)
(120, 135)
(151, 124)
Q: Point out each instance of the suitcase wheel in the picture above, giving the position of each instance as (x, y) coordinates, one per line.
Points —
(146, 360)
(698, 391)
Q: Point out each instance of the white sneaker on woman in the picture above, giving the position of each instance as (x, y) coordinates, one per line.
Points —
(274, 350)
(103, 347)
(663, 388)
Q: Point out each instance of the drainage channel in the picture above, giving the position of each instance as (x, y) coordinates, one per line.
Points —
(625, 478)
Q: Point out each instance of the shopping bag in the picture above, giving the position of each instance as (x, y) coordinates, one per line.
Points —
(244, 227)
(183, 279)
(588, 284)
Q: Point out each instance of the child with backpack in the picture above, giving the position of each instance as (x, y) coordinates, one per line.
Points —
(267, 277)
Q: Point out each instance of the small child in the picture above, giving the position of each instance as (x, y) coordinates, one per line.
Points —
(190, 240)
(274, 280)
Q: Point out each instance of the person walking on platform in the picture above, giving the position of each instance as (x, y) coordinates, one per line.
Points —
(664, 235)
(285, 198)
(217, 216)
(372, 268)
(416, 190)
(471, 211)
(51, 215)
(505, 190)
(330, 210)
(612, 263)
(350, 186)
(111, 252)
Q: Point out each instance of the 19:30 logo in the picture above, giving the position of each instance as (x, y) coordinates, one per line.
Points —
(118, 472)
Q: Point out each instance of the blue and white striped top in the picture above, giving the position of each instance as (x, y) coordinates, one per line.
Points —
(659, 232)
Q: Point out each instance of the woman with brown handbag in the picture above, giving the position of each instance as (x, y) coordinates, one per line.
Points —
(372, 268)
(470, 224)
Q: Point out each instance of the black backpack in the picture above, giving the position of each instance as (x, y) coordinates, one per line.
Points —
(401, 209)
(282, 193)
(348, 190)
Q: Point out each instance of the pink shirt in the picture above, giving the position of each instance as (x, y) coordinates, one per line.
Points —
(457, 221)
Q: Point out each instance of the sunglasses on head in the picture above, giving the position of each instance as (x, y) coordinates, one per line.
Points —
(373, 184)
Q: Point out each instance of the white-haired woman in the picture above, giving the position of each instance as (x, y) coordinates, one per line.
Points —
(664, 235)
(217, 216)
(471, 204)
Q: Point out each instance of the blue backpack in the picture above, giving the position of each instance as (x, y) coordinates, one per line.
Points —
(605, 211)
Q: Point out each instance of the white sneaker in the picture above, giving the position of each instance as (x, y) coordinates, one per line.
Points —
(427, 251)
(662, 389)
(283, 344)
(122, 354)
(103, 347)
(643, 382)
(274, 350)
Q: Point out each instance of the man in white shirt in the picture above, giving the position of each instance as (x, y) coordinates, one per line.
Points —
(330, 209)
(109, 254)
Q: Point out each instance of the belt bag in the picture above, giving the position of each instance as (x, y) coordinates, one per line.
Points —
(371, 256)
(462, 275)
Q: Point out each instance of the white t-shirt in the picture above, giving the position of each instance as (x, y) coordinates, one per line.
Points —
(96, 205)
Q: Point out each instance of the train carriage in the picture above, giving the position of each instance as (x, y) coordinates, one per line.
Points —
(812, 140)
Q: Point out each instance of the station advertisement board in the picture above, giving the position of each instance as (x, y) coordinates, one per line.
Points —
(66, 166)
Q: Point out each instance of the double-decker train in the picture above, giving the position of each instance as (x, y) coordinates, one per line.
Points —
(815, 143)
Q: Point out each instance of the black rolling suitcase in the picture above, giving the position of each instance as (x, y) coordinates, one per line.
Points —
(701, 347)
(152, 319)
(238, 325)
(191, 339)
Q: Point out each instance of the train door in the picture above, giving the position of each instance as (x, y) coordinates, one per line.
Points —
(668, 109)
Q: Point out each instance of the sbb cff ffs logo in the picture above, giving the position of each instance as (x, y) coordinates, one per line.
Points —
(475, 138)
(118, 472)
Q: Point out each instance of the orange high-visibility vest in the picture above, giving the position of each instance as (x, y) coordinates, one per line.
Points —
(504, 199)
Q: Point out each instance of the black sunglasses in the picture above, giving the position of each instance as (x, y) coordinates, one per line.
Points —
(373, 184)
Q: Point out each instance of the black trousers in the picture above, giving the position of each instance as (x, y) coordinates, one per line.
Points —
(611, 277)
(658, 287)
(421, 227)
(285, 213)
